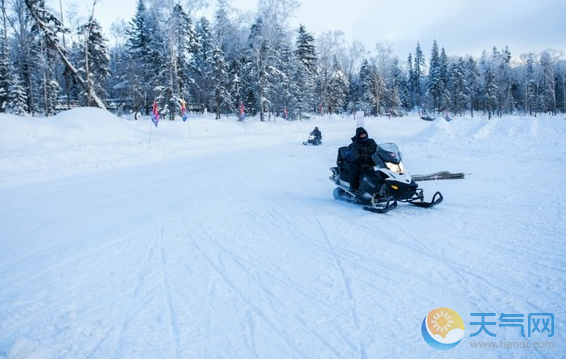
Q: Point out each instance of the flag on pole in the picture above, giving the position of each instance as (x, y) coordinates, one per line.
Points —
(242, 113)
(183, 110)
(155, 117)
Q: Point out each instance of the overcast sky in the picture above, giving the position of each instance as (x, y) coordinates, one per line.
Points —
(460, 26)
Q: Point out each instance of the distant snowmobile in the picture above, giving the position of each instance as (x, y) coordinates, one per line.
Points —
(382, 185)
(312, 140)
(315, 137)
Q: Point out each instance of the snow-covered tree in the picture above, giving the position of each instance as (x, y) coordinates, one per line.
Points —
(5, 65)
(202, 64)
(433, 80)
(396, 89)
(220, 82)
(94, 63)
(436, 85)
(458, 87)
(17, 98)
(183, 40)
(417, 77)
(501, 67)
(489, 85)
(473, 84)
(305, 71)
(49, 26)
(261, 68)
(548, 83)
(144, 58)
(371, 88)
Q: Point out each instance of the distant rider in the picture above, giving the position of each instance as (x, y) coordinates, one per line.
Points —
(317, 134)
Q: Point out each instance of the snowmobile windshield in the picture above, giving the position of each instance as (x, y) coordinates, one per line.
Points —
(389, 152)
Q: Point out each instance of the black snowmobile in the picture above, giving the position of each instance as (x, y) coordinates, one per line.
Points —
(313, 139)
(382, 185)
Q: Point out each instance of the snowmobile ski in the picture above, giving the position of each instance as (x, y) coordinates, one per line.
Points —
(419, 202)
(386, 207)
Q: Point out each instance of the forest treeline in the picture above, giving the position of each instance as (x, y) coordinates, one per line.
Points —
(167, 54)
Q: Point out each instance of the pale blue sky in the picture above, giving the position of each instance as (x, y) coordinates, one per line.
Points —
(460, 26)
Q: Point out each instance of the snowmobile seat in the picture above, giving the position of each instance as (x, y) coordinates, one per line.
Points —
(342, 163)
(341, 158)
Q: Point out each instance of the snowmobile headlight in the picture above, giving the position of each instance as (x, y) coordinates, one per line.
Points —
(394, 167)
(395, 187)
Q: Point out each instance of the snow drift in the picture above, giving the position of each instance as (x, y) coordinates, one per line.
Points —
(221, 239)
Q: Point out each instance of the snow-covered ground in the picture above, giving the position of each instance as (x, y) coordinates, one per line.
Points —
(221, 239)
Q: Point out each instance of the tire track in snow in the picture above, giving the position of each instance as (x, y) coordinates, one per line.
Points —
(166, 289)
(275, 327)
(281, 333)
(132, 307)
(459, 268)
(270, 217)
(268, 220)
(67, 259)
(347, 287)
(265, 270)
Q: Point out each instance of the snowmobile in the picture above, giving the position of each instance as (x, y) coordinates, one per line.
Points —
(382, 185)
(312, 140)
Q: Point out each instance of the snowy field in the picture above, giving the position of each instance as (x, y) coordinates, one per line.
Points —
(221, 239)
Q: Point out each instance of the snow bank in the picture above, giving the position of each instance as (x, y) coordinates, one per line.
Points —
(221, 239)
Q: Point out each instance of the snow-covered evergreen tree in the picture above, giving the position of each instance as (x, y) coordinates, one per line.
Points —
(372, 89)
(5, 69)
(305, 71)
(261, 68)
(94, 55)
(305, 50)
(417, 77)
(489, 85)
(444, 100)
(473, 84)
(337, 89)
(183, 41)
(396, 89)
(17, 98)
(202, 64)
(143, 57)
(458, 87)
(548, 96)
(531, 85)
(435, 81)
(220, 83)
(501, 67)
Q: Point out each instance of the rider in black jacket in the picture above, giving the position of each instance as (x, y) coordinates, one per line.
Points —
(317, 134)
(359, 155)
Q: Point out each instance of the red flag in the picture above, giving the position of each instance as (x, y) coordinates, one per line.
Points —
(155, 117)
(242, 114)
(183, 110)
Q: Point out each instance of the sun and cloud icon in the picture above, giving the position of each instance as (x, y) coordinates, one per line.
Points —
(443, 328)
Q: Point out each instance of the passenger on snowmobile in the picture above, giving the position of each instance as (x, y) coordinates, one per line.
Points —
(358, 156)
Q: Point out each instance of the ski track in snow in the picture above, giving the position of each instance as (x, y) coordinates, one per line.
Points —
(241, 252)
